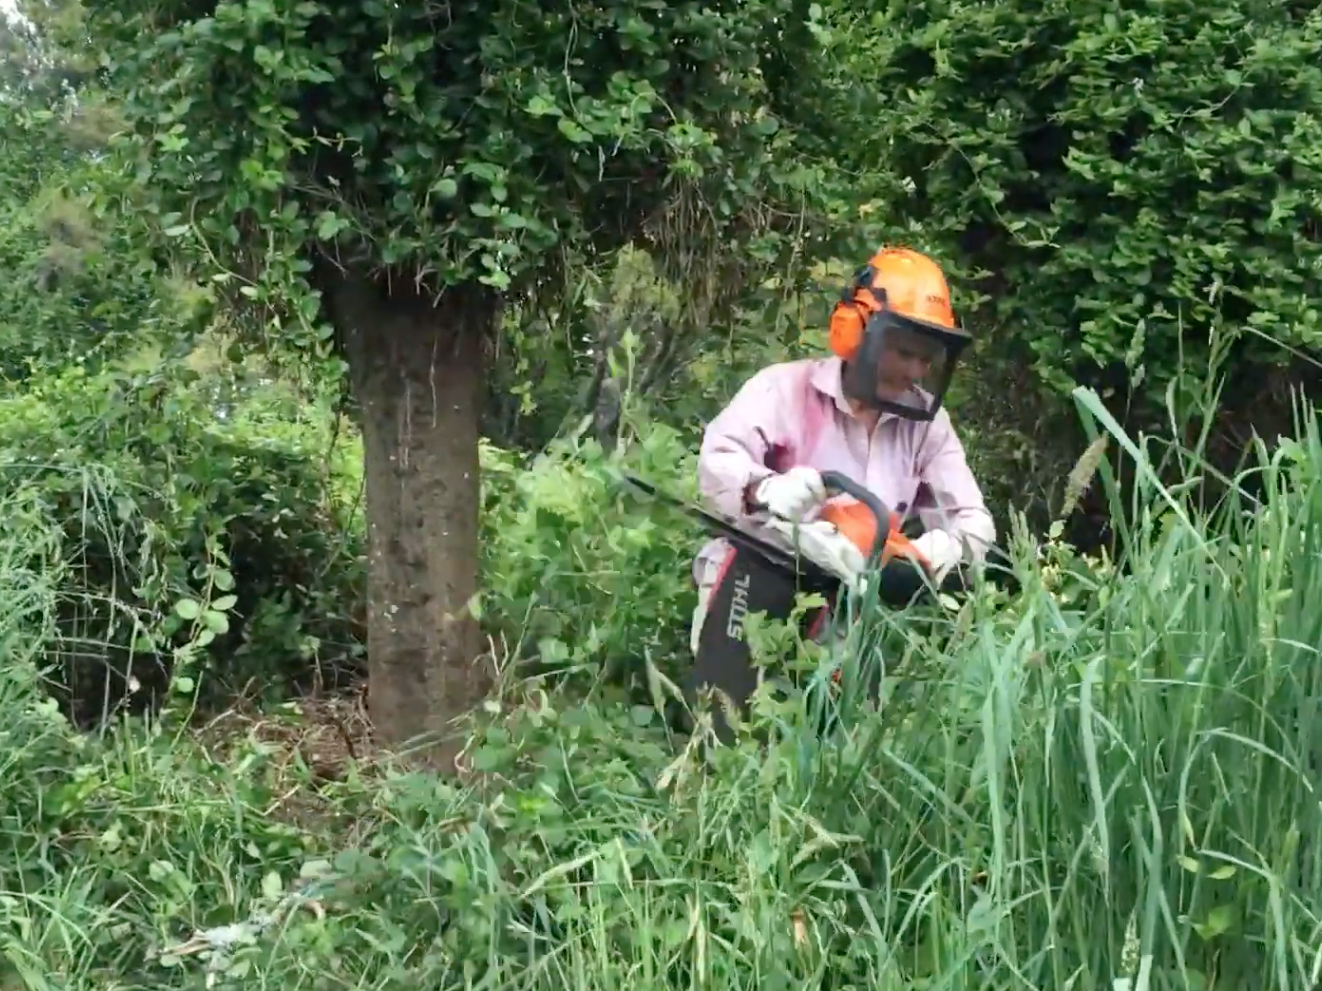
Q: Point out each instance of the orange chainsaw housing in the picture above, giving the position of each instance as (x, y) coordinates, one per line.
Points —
(853, 519)
(856, 522)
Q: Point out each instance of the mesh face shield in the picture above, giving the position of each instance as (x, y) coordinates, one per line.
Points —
(903, 366)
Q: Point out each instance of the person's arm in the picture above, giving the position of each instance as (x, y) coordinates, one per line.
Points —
(953, 502)
(732, 459)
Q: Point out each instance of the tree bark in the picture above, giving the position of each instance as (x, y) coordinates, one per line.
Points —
(417, 368)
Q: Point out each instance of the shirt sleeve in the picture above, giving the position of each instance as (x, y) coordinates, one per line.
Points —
(736, 443)
(952, 500)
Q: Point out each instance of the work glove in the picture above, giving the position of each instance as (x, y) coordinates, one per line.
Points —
(824, 545)
(941, 551)
(791, 495)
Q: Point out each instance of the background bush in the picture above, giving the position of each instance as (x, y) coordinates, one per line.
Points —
(1136, 176)
(1129, 198)
(153, 490)
(581, 576)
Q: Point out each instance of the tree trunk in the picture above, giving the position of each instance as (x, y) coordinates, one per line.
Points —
(417, 373)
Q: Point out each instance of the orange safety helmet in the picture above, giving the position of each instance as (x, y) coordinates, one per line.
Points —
(897, 305)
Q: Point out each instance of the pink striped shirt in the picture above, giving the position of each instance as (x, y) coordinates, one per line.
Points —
(795, 413)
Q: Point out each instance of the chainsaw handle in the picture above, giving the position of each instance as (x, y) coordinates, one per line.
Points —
(834, 481)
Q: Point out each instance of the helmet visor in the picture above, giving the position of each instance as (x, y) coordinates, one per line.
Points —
(904, 366)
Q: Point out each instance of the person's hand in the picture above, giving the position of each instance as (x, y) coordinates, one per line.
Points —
(824, 545)
(940, 552)
(792, 495)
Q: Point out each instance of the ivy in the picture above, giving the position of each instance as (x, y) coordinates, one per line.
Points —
(456, 144)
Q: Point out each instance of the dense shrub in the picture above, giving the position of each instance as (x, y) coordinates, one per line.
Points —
(579, 573)
(110, 848)
(156, 483)
(1119, 181)
(167, 508)
(79, 289)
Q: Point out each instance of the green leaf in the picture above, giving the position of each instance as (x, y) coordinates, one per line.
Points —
(573, 131)
(1219, 920)
(328, 225)
(315, 869)
(272, 886)
(188, 609)
(543, 106)
(217, 622)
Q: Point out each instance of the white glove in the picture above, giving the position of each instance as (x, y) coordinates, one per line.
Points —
(824, 545)
(791, 495)
(941, 550)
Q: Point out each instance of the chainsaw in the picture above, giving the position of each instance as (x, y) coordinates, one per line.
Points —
(858, 518)
(759, 576)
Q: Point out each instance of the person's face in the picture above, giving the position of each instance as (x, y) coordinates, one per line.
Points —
(906, 359)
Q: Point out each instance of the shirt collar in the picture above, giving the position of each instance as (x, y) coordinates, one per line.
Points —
(826, 380)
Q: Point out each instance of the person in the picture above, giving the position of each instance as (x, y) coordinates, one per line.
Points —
(871, 410)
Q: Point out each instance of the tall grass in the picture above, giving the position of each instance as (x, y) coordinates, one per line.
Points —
(113, 845)
(1133, 779)
(1107, 781)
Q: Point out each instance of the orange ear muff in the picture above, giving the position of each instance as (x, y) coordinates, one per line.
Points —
(850, 315)
(846, 329)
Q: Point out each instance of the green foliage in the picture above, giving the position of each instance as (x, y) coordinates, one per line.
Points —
(459, 144)
(1123, 181)
(557, 362)
(153, 491)
(44, 54)
(633, 341)
(103, 839)
(157, 477)
(78, 289)
(1106, 780)
(581, 576)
